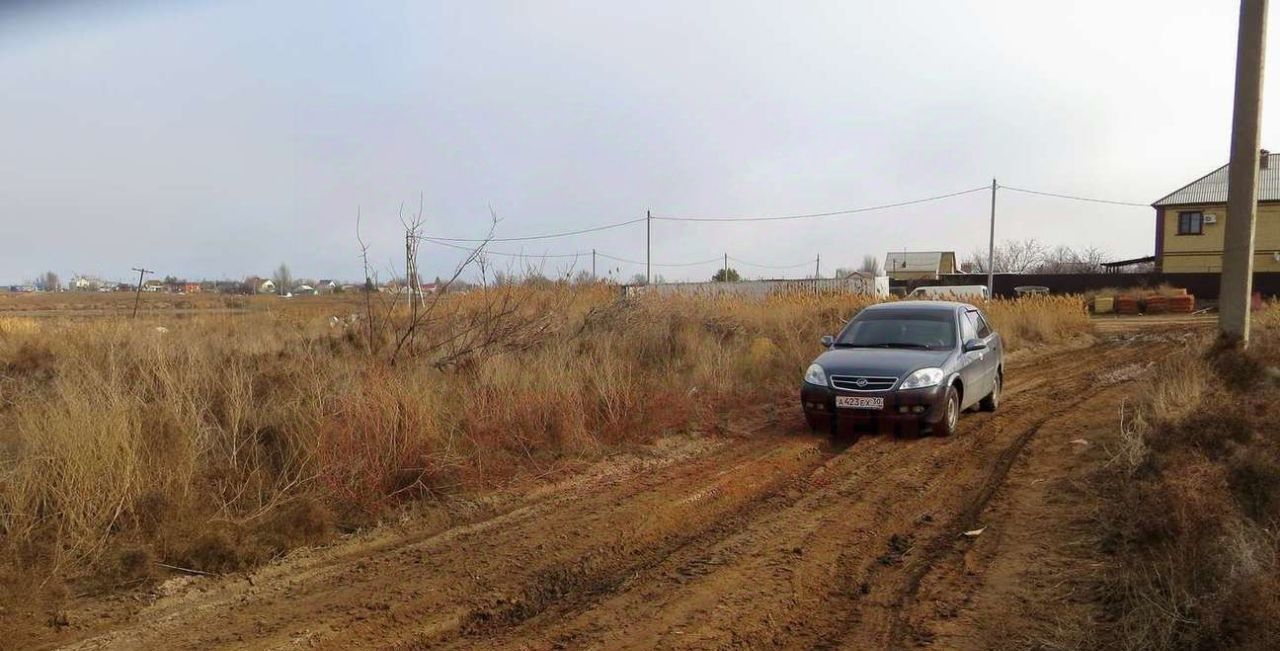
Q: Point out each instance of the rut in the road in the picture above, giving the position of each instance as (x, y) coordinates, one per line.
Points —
(777, 538)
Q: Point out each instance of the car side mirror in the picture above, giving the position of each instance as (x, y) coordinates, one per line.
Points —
(827, 341)
(974, 344)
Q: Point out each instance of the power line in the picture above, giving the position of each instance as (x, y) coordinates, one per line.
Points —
(1075, 198)
(849, 211)
(506, 253)
(772, 266)
(661, 264)
(536, 256)
(547, 236)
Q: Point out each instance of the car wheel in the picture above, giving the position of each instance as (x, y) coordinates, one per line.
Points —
(950, 414)
(992, 401)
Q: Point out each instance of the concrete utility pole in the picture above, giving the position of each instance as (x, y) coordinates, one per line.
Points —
(593, 264)
(137, 296)
(817, 267)
(648, 247)
(991, 245)
(1242, 179)
(725, 269)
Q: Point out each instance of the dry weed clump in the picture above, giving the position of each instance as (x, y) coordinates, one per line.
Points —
(223, 439)
(1193, 501)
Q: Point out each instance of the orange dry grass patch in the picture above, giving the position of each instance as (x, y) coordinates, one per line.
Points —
(196, 443)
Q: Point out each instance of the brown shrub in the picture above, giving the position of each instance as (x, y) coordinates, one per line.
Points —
(231, 438)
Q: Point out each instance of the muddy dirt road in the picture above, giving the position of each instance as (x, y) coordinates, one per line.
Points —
(769, 538)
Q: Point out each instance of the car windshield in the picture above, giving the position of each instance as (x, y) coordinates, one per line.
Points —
(922, 330)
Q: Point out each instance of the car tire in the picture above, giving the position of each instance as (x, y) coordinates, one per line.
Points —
(950, 414)
(992, 401)
(817, 425)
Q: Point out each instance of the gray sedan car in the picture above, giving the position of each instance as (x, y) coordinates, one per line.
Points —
(915, 363)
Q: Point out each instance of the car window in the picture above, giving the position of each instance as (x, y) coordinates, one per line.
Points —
(980, 323)
(967, 328)
(927, 330)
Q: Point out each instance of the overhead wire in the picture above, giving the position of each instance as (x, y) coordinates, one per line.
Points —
(1074, 197)
(487, 251)
(772, 266)
(849, 211)
(660, 264)
(526, 238)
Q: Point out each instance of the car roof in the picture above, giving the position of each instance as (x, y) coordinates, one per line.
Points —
(923, 306)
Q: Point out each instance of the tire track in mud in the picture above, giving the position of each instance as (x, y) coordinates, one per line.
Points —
(898, 593)
(653, 600)
(766, 539)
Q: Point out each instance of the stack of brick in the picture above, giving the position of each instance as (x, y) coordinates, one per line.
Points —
(1126, 305)
(1157, 304)
(1184, 304)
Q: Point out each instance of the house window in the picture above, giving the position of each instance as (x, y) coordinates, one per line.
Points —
(1191, 223)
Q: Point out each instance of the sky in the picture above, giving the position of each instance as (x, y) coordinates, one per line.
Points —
(222, 139)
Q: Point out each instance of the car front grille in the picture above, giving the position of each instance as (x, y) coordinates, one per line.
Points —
(863, 382)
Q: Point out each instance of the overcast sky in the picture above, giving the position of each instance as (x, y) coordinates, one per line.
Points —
(216, 140)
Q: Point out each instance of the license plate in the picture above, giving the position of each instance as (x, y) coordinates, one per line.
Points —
(859, 402)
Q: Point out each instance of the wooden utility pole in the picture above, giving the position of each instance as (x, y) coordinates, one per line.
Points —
(593, 264)
(137, 295)
(1242, 176)
(817, 267)
(725, 269)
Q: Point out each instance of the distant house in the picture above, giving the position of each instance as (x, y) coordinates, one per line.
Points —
(191, 288)
(1190, 222)
(267, 287)
(153, 286)
(919, 265)
(326, 286)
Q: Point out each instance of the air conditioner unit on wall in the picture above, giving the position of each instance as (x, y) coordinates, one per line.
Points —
(1211, 219)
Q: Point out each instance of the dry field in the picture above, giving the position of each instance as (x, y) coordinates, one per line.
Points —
(1193, 487)
(551, 468)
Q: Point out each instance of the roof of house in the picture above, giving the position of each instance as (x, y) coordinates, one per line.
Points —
(909, 261)
(1212, 188)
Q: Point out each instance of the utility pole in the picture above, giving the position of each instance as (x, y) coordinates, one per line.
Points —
(991, 245)
(648, 247)
(817, 267)
(137, 296)
(1242, 180)
(725, 268)
(593, 264)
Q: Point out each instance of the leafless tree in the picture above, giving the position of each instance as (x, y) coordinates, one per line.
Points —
(1066, 260)
(48, 282)
(871, 265)
(1011, 256)
(283, 279)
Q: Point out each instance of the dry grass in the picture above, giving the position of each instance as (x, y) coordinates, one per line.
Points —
(1194, 501)
(229, 438)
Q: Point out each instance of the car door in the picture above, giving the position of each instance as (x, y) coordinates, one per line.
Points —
(995, 345)
(972, 372)
(989, 358)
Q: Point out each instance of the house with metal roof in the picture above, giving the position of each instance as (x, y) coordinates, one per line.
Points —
(919, 265)
(1190, 222)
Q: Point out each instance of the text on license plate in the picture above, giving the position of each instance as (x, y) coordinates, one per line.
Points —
(859, 402)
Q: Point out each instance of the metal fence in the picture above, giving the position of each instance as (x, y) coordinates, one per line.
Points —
(873, 285)
(1201, 285)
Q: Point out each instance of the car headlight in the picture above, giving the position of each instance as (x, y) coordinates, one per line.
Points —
(925, 377)
(815, 375)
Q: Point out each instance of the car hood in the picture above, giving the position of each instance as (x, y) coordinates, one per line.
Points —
(884, 362)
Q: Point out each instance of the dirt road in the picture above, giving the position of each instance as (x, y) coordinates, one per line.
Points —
(768, 538)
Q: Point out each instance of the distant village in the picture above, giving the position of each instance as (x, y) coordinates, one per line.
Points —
(49, 282)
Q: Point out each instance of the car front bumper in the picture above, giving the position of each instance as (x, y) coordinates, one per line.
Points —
(912, 407)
